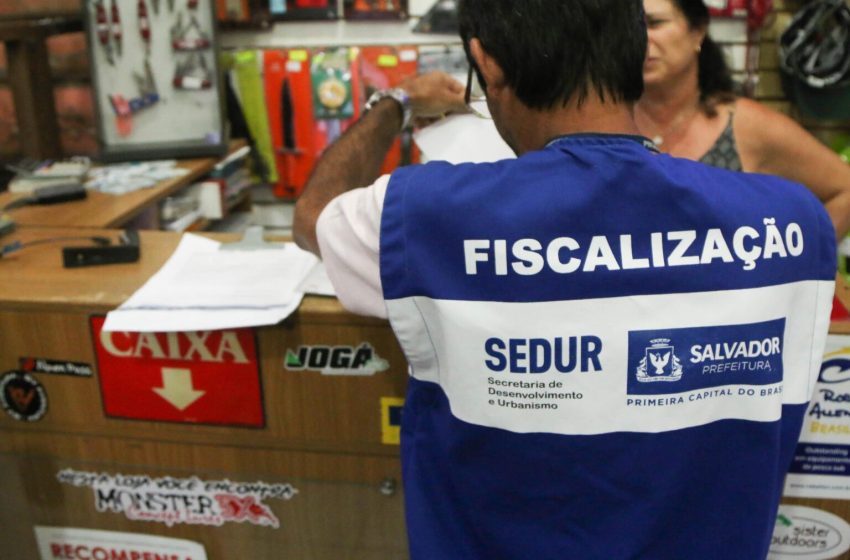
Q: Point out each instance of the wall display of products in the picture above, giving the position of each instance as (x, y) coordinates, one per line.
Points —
(727, 8)
(155, 74)
(302, 9)
(331, 82)
(755, 11)
(376, 9)
(450, 59)
(387, 67)
(232, 10)
(245, 14)
(441, 18)
(313, 96)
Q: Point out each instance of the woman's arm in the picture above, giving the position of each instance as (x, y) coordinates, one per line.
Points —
(770, 142)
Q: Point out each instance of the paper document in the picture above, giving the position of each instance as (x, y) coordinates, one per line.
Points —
(203, 288)
(462, 139)
(318, 283)
(123, 178)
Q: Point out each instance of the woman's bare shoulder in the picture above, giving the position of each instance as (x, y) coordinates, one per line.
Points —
(760, 121)
(763, 134)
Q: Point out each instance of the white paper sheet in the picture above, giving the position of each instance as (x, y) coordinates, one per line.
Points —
(123, 178)
(317, 282)
(461, 139)
(202, 288)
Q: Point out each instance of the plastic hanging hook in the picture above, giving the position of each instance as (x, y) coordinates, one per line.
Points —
(144, 24)
(102, 28)
(117, 32)
(252, 240)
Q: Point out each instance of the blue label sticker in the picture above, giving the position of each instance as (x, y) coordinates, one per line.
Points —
(819, 458)
(672, 361)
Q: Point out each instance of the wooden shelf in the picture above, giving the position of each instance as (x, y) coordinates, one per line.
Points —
(287, 35)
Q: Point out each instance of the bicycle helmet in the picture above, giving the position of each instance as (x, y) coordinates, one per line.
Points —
(814, 56)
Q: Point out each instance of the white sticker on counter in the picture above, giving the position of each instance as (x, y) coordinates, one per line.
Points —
(821, 465)
(809, 534)
(67, 543)
(175, 501)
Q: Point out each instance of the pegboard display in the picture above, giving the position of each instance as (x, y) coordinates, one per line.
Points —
(155, 76)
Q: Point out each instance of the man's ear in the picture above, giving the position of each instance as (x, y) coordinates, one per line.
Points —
(490, 70)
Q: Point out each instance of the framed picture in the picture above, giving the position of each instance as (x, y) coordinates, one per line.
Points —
(376, 9)
(156, 78)
(293, 10)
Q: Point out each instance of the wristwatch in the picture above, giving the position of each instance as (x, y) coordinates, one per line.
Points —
(400, 96)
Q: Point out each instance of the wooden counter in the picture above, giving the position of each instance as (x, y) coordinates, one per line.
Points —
(100, 210)
(322, 433)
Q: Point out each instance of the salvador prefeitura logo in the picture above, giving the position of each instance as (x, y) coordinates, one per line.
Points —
(674, 361)
(663, 363)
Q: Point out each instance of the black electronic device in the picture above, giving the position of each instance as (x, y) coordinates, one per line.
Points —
(127, 251)
(55, 194)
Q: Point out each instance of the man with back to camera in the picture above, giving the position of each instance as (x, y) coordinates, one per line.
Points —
(611, 350)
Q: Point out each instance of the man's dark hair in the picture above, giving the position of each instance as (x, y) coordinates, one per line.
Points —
(552, 51)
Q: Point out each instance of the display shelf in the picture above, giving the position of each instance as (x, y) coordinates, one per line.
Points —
(333, 33)
(294, 34)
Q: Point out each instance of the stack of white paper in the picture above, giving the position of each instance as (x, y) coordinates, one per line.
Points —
(461, 139)
(203, 288)
(317, 282)
(122, 178)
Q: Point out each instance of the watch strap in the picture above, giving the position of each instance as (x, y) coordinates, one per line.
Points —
(400, 96)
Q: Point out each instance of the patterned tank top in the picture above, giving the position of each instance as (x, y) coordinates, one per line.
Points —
(724, 152)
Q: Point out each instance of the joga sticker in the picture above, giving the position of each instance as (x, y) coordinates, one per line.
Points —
(336, 360)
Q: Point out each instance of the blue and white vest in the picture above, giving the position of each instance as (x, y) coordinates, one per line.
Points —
(611, 351)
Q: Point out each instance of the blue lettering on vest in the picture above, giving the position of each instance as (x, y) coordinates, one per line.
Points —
(492, 348)
(540, 355)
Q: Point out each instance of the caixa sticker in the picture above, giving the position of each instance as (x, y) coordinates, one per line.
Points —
(336, 360)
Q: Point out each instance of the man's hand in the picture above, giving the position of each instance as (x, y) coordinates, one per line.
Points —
(355, 159)
(434, 94)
